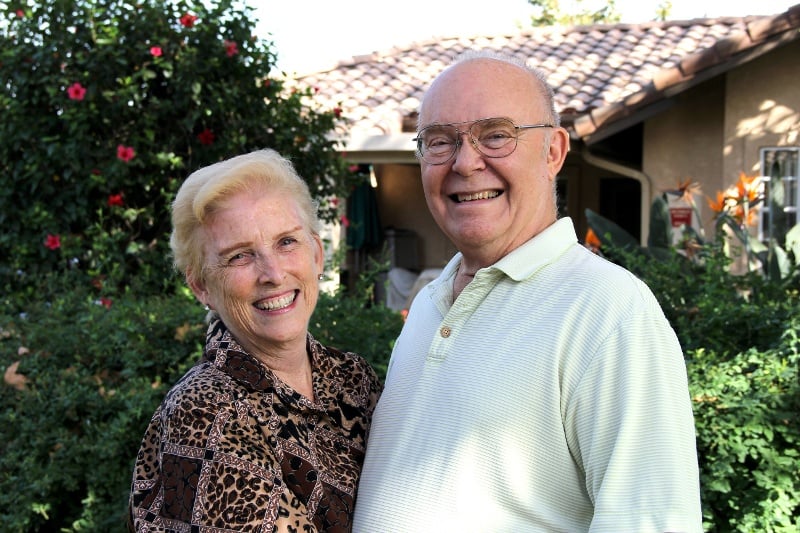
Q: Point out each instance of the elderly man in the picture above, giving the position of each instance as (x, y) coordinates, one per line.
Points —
(535, 385)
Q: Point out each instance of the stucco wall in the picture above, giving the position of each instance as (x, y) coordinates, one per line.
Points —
(762, 109)
(401, 204)
(714, 131)
(685, 141)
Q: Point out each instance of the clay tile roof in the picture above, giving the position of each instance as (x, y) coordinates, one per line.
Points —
(601, 74)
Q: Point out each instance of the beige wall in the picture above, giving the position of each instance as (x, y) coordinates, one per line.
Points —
(762, 108)
(401, 204)
(684, 142)
(715, 130)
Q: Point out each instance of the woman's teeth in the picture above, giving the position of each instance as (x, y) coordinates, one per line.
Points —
(277, 303)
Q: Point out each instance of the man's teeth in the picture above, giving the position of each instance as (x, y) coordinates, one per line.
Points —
(277, 303)
(485, 195)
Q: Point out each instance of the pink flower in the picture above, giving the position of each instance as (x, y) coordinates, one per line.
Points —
(337, 112)
(76, 91)
(353, 168)
(231, 48)
(345, 221)
(155, 51)
(206, 137)
(125, 153)
(188, 20)
(20, 13)
(115, 199)
(106, 302)
(53, 242)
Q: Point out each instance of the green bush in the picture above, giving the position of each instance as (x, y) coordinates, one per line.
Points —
(94, 372)
(94, 375)
(747, 411)
(108, 105)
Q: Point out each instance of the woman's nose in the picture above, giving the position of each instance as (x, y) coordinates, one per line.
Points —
(269, 269)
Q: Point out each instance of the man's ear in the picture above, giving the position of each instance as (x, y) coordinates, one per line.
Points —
(557, 153)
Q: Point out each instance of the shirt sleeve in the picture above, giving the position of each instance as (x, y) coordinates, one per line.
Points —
(631, 428)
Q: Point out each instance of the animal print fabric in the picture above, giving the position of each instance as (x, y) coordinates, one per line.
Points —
(232, 448)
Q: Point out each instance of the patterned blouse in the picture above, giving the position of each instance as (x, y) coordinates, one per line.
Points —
(233, 448)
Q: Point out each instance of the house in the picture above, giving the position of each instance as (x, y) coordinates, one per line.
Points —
(647, 106)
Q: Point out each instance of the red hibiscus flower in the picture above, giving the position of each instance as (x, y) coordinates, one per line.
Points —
(155, 51)
(115, 199)
(231, 48)
(106, 302)
(125, 153)
(76, 91)
(53, 242)
(188, 20)
(337, 112)
(206, 137)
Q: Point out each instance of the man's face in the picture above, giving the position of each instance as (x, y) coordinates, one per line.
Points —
(490, 206)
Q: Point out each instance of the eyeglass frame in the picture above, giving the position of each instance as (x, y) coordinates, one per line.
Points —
(475, 143)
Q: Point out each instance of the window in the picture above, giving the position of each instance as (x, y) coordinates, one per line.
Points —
(781, 169)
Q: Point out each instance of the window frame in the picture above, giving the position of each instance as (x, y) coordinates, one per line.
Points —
(769, 156)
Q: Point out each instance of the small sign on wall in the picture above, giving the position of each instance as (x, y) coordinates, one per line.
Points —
(682, 215)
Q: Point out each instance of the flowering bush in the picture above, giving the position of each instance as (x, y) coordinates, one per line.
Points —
(108, 105)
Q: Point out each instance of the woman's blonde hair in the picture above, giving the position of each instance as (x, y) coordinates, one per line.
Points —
(205, 190)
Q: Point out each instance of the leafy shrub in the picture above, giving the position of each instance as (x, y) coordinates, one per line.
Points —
(747, 411)
(108, 105)
(90, 377)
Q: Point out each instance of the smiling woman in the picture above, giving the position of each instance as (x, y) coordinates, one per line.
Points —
(267, 407)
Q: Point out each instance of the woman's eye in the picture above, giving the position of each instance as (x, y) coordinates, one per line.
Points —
(288, 241)
(239, 259)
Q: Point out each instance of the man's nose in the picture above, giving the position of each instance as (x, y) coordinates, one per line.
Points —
(468, 157)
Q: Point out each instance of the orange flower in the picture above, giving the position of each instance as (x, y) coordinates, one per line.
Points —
(591, 241)
(747, 216)
(717, 206)
(748, 188)
(686, 190)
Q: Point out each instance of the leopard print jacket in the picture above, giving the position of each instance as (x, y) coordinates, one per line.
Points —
(232, 448)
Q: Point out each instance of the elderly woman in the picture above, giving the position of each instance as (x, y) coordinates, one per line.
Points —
(267, 431)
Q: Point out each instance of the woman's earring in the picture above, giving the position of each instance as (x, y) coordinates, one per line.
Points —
(208, 308)
(320, 276)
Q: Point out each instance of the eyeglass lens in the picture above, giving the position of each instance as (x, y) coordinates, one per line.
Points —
(493, 137)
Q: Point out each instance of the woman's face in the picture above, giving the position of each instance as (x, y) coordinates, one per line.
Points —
(261, 271)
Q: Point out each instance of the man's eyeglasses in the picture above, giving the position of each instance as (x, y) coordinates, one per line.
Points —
(492, 137)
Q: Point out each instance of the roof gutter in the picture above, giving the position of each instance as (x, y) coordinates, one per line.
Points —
(638, 175)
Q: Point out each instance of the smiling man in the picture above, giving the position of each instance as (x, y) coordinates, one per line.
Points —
(535, 385)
